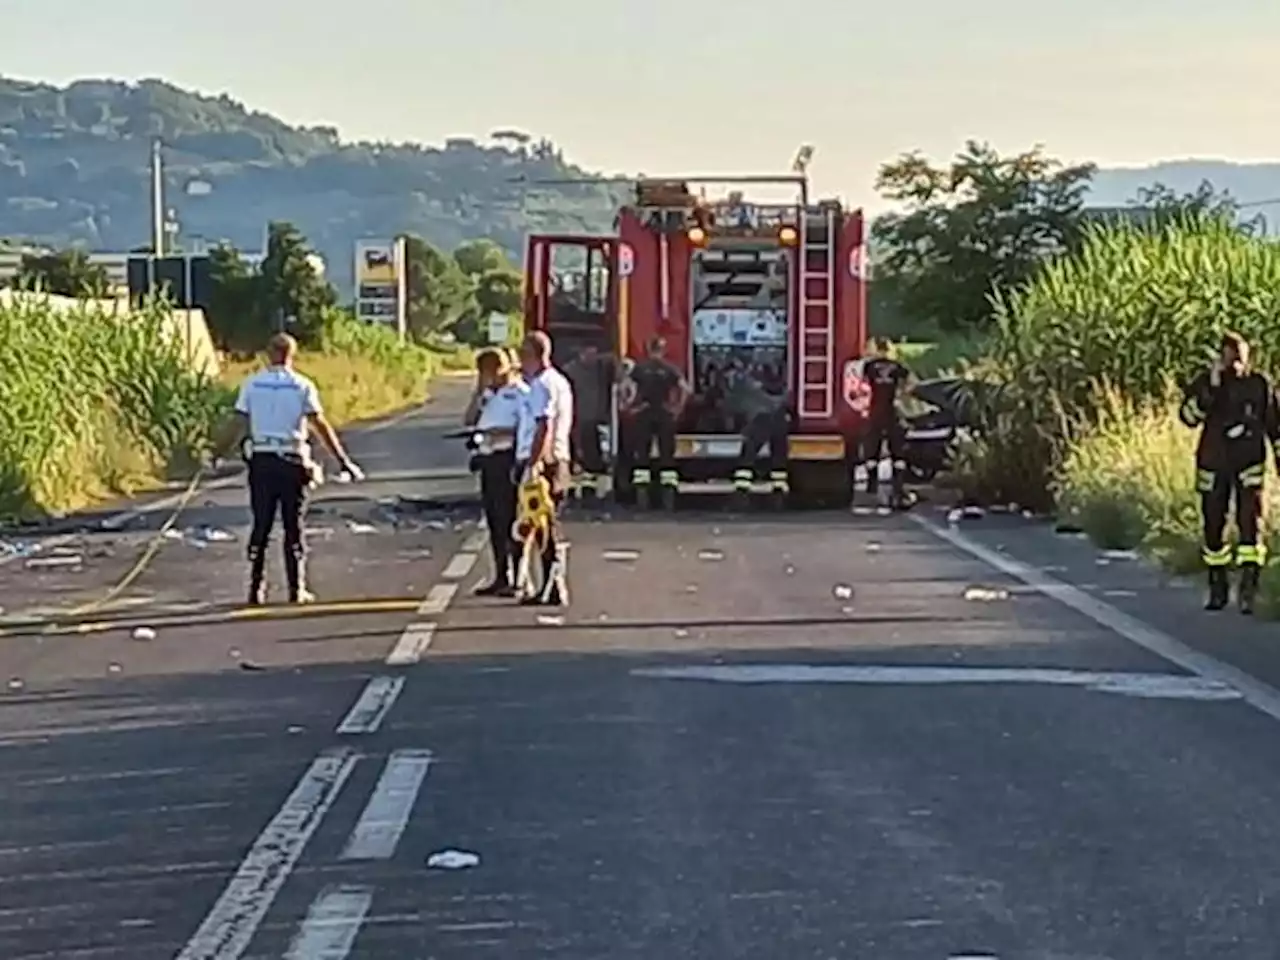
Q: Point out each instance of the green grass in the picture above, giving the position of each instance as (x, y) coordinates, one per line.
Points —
(95, 405)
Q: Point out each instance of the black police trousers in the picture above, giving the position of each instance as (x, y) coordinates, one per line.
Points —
(585, 442)
(278, 484)
(1217, 488)
(498, 497)
(650, 424)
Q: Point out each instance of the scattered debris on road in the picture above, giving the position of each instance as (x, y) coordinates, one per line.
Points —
(546, 620)
(711, 555)
(72, 560)
(16, 684)
(144, 633)
(842, 591)
(356, 526)
(985, 594)
(452, 860)
(1119, 555)
(621, 556)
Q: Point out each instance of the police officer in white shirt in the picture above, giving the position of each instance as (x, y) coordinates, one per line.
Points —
(277, 408)
(495, 412)
(542, 447)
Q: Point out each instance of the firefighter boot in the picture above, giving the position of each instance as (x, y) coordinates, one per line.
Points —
(1219, 589)
(742, 479)
(295, 571)
(642, 482)
(1248, 590)
(257, 577)
(779, 489)
(670, 485)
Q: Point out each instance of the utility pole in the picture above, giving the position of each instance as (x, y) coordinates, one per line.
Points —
(157, 200)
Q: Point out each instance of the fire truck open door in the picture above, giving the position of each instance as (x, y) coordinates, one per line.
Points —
(571, 294)
(574, 293)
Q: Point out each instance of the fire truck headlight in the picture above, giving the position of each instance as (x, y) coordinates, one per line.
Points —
(697, 236)
(787, 236)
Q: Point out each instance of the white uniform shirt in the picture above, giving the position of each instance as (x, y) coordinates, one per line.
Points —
(501, 409)
(277, 402)
(550, 397)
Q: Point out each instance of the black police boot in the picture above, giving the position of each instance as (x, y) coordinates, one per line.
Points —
(1248, 591)
(295, 571)
(1219, 589)
(257, 577)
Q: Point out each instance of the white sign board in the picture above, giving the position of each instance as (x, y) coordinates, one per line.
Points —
(499, 327)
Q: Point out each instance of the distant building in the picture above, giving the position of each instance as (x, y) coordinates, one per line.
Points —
(115, 264)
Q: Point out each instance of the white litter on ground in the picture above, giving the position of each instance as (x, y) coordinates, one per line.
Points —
(1120, 554)
(356, 526)
(842, 591)
(621, 556)
(453, 860)
(710, 554)
(985, 594)
(143, 633)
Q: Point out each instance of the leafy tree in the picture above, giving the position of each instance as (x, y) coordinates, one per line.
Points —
(983, 223)
(1162, 204)
(439, 293)
(477, 257)
(65, 273)
(235, 319)
(290, 287)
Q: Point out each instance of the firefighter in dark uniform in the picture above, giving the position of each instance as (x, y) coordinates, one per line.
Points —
(763, 419)
(592, 375)
(1237, 413)
(277, 409)
(660, 393)
(886, 378)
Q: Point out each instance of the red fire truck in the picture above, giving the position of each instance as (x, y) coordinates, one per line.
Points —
(774, 289)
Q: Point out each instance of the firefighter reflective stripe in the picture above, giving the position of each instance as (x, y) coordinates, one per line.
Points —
(778, 480)
(1217, 558)
(1249, 554)
(669, 478)
(1253, 476)
(1191, 413)
(742, 479)
(641, 475)
(1204, 481)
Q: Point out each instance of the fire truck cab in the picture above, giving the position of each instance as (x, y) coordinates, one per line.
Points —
(772, 291)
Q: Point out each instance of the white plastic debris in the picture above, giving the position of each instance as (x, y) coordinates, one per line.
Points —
(873, 547)
(547, 620)
(215, 535)
(114, 667)
(681, 633)
(985, 594)
(453, 860)
(16, 684)
(1120, 554)
(789, 570)
(710, 554)
(144, 633)
(842, 591)
(173, 533)
(955, 516)
(355, 526)
(621, 556)
(46, 563)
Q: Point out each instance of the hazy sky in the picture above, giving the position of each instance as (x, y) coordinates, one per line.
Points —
(681, 86)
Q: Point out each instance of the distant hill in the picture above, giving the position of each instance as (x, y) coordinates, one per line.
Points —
(74, 170)
(1247, 183)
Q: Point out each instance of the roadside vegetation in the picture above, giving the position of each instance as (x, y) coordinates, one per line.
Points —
(1087, 325)
(101, 400)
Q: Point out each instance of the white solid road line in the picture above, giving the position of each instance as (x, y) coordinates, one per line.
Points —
(412, 645)
(229, 927)
(1256, 693)
(476, 542)
(331, 925)
(387, 813)
(459, 566)
(373, 704)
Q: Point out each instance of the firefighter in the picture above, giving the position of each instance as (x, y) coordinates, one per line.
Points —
(542, 449)
(276, 409)
(1236, 410)
(886, 377)
(661, 392)
(495, 412)
(763, 419)
(592, 375)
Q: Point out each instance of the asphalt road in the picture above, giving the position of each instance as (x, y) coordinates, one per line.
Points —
(817, 736)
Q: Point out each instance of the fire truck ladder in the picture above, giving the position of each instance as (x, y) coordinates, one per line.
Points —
(817, 311)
